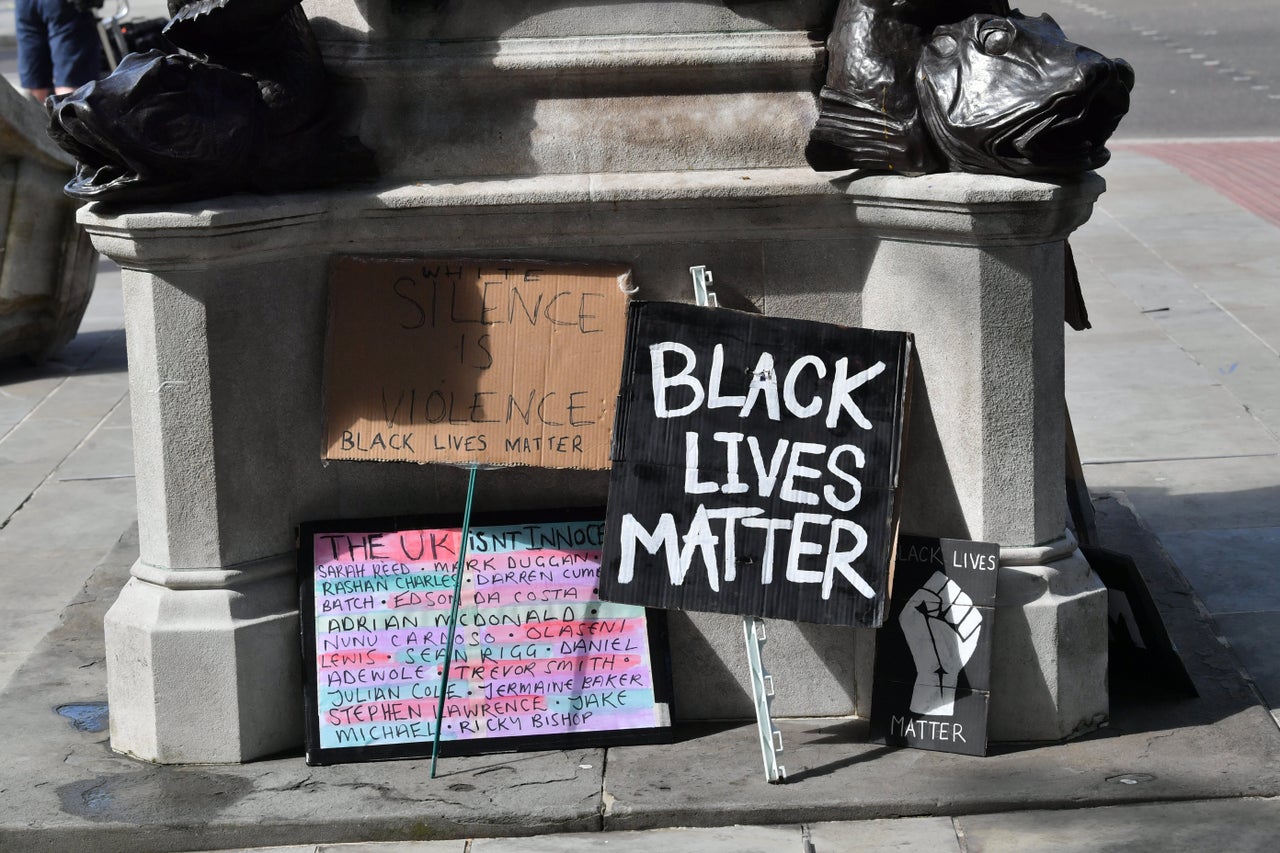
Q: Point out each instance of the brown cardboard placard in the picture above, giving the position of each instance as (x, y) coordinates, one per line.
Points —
(467, 361)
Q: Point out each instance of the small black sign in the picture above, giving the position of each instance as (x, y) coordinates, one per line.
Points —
(933, 656)
(755, 465)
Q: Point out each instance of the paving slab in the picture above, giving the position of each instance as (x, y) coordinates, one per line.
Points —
(47, 441)
(1126, 362)
(1220, 317)
(1240, 826)
(1248, 281)
(1143, 189)
(1234, 571)
(1196, 494)
(1134, 424)
(1254, 638)
(1188, 238)
(312, 848)
(392, 847)
(1162, 235)
(936, 835)
(1240, 360)
(17, 482)
(106, 453)
(1102, 240)
(22, 388)
(728, 839)
(1155, 287)
(1113, 315)
(96, 509)
(85, 395)
(47, 551)
(932, 834)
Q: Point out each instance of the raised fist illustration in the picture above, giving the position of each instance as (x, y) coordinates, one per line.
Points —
(941, 625)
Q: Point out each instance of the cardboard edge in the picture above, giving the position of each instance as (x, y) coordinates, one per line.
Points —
(622, 273)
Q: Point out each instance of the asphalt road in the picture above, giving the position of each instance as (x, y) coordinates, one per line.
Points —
(1205, 68)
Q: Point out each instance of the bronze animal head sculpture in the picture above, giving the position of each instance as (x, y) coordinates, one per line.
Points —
(920, 86)
(246, 109)
(159, 127)
(1011, 95)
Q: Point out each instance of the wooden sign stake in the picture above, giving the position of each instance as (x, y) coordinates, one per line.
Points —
(453, 616)
(752, 626)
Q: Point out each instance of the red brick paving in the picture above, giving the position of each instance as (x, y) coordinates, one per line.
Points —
(1247, 171)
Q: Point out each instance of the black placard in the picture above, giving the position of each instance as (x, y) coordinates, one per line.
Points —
(538, 661)
(755, 465)
(933, 655)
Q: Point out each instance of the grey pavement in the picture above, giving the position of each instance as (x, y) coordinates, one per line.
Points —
(1173, 399)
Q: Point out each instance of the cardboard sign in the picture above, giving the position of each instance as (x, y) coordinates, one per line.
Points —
(494, 362)
(933, 656)
(755, 465)
(538, 660)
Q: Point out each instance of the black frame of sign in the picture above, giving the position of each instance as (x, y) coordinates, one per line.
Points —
(656, 622)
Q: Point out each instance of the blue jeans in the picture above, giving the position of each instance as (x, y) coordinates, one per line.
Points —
(57, 46)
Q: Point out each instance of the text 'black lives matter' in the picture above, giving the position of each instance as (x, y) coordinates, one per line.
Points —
(932, 683)
(755, 465)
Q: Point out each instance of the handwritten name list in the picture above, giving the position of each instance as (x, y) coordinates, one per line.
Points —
(535, 650)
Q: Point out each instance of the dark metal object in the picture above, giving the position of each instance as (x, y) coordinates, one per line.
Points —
(870, 116)
(247, 108)
(927, 85)
(1010, 95)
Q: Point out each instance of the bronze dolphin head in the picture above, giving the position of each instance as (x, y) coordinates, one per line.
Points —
(247, 107)
(1011, 95)
(161, 125)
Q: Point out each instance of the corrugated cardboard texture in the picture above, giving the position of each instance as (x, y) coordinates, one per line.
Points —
(461, 361)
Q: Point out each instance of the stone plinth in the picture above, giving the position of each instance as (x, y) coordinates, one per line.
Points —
(226, 324)
(657, 135)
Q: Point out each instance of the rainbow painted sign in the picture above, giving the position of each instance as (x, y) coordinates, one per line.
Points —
(538, 662)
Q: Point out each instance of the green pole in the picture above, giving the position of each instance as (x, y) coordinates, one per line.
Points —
(453, 617)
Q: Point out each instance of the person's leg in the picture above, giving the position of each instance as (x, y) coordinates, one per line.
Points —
(74, 46)
(35, 65)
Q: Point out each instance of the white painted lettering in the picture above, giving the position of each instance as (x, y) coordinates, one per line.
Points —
(661, 381)
(842, 389)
